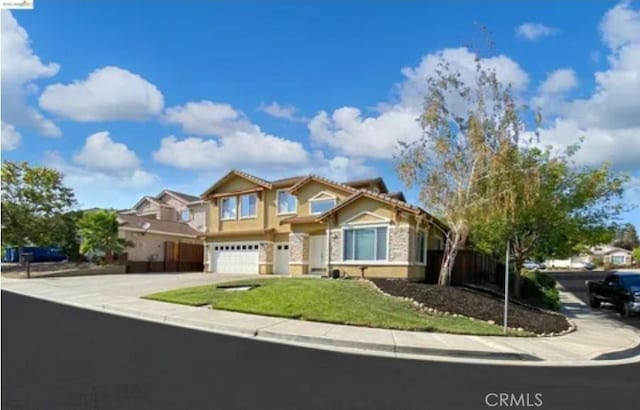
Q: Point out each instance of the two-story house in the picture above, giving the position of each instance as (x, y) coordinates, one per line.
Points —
(152, 221)
(309, 224)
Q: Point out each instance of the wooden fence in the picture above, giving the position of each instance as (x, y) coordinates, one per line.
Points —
(178, 257)
(470, 267)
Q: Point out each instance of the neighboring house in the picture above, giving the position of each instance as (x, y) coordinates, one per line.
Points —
(304, 225)
(152, 221)
(609, 254)
(612, 255)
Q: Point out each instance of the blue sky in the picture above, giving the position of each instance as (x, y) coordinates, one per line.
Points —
(127, 101)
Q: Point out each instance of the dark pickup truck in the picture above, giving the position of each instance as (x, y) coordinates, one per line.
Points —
(621, 289)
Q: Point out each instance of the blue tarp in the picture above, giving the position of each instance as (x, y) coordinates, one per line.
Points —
(40, 254)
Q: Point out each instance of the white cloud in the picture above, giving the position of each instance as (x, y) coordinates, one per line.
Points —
(237, 150)
(619, 146)
(534, 31)
(350, 132)
(101, 153)
(21, 67)
(621, 25)
(288, 112)
(559, 81)
(608, 118)
(97, 188)
(10, 137)
(208, 118)
(107, 94)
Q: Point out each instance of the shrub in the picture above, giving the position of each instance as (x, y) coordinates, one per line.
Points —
(538, 288)
(598, 260)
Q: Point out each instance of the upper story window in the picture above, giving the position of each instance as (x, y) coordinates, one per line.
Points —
(185, 215)
(421, 247)
(248, 206)
(318, 206)
(287, 203)
(228, 208)
(365, 244)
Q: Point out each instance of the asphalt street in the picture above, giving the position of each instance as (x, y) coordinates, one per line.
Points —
(61, 357)
(574, 282)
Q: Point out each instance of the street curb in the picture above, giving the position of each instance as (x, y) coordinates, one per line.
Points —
(620, 354)
(411, 350)
(626, 356)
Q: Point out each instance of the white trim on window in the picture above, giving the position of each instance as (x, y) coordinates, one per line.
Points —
(278, 213)
(228, 198)
(367, 262)
(255, 215)
(322, 196)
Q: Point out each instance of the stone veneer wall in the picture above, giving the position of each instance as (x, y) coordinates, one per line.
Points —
(336, 245)
(298, 248)
(399, 241)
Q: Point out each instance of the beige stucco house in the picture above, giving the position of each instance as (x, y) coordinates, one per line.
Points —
(153, 220)
(309, 224)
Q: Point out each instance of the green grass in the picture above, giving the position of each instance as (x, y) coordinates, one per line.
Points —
(348, 302)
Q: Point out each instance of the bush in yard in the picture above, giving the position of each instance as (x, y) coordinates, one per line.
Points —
(635, 254)
(598, 260)
(540, 289)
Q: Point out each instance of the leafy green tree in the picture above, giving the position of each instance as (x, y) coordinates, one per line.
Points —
(99, 232)
(33, 199)
(635, 254)
(626, 237)
(553, 208)
(64, 233)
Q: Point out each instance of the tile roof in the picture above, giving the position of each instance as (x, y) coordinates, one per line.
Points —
(185, 197)
(363, 183)
(397, 195)
(324, 180)
(168, 227)
(286, 181)
(242, 174)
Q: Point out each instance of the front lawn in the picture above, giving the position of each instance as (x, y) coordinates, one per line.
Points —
(349, 302)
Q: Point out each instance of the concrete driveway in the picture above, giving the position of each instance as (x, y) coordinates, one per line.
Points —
(129, 285)
(574, 282)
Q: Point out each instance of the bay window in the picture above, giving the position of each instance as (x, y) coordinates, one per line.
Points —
(365, 244)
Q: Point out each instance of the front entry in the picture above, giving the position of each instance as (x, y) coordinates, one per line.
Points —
(281, 256)
(317, 253)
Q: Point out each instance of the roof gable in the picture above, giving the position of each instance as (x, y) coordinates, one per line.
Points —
(321, 180)
(235, 173)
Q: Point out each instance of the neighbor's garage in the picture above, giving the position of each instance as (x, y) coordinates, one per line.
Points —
(235, 257)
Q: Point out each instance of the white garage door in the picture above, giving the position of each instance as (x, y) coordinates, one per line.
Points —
(235, 257)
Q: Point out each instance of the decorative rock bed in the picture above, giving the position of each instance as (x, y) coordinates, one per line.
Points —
(459, 302)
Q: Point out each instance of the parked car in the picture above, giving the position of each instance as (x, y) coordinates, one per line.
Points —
(531, 265)
(622, 289)
(582, 265)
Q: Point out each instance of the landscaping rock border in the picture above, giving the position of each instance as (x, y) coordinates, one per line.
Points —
(435, 312)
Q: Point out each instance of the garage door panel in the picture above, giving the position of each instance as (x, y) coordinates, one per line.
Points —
(236, 257)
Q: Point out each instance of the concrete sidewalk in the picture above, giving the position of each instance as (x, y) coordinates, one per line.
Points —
(598, 340)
